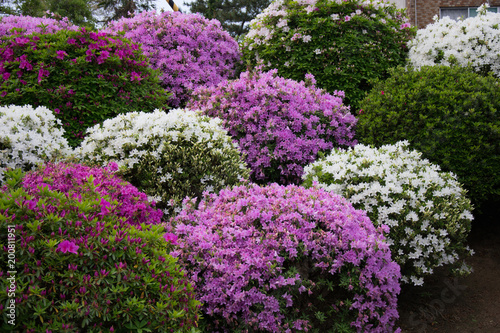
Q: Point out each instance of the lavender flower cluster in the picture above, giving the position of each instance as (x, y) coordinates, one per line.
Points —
(260, 257)
(26, 25)
(280, 124)
(188, 49)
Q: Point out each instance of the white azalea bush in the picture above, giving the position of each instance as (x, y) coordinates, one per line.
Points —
(343, 43)
(473, 42)
(28, 137)
(427, 211)
(169, 156)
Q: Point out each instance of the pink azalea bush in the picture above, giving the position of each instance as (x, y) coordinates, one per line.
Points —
(280, 124)
(26, 25)
(188, 49)
(84, 77)
(80, 266)
(283, 259)
(124, 201)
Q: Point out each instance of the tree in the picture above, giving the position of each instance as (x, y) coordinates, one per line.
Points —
(116, 9)
(77, 11)
(234, 15)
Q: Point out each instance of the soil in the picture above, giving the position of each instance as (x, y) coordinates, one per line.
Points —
(460, 305)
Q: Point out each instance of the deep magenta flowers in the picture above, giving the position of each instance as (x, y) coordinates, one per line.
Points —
(169, 237)
(280, 124)
(68, 246)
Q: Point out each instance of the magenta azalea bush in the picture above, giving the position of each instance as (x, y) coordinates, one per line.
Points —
(188, 49)
(80, 267)
(26, 25)
(125, 200)
(280, 124)
(283, 259)
(84, 77)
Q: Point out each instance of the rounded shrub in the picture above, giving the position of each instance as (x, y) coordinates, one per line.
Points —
(280, 124)
(84, 77)
(28, 137)
(473, 42)
(133, 206)
(188, 49)
(167, 156)
(427, 210)
(449, 114)
(282, 259)
(344, 44)
(78, 266)
(27, 25)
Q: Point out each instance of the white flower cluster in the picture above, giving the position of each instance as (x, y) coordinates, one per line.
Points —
(29, 136)
(167, 155)
(474, 41)
(426, 209)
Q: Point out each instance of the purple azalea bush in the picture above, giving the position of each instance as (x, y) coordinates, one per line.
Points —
(26, 25)
(123, 199)
(287, 259)
(280, 124)
(81, 265)
(188, 49)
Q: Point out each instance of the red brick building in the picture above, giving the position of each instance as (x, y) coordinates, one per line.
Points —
(421, 12)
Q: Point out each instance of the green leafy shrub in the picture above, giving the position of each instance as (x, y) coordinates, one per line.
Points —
(427, 211)
(167, 156)
(79, 267)
(29, 136)
(449, 114)
(84, 77)
(343, 44)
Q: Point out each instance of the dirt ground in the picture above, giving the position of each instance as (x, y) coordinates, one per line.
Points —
(460, 305)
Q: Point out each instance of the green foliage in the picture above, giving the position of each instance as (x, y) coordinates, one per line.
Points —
(84, 77)
(343, 44)
(450, 114)
(78, 267)
(234, 15)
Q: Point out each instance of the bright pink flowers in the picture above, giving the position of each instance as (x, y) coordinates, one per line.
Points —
(169, 237)
(67, 246)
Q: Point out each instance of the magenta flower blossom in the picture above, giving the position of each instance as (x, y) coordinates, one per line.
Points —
(67, 246)
(61, 54)
(170, 238)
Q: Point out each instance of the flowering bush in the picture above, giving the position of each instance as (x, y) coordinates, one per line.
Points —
(343, 44)
(27, 25)
(29, 136)
(280, 124)
(474, 42)
(78, 266)
(85, 77)
(280, 258)
(188, 49)
(132, 205)
(449, 114)
(426, 210)
(168, 156)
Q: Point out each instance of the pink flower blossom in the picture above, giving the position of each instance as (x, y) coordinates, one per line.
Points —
(61, 54)
(67, 246)
(169, 237)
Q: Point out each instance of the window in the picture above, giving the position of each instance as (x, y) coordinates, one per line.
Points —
(464, 12)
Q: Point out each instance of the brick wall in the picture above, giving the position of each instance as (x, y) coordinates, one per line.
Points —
(426, 9)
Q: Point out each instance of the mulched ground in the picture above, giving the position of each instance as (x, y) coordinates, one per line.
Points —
(460, 305)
